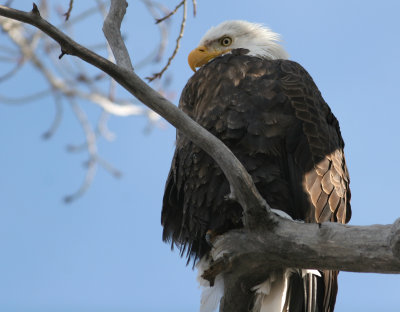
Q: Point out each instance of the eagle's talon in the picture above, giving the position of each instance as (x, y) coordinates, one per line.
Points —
(210, 237)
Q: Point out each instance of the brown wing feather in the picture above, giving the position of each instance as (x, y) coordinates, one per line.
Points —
(274, 119)
(327, 181)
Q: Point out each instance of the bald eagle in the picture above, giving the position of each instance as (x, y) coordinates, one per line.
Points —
(269, 112)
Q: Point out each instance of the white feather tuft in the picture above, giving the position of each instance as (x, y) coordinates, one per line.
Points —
(210, 296)
(271, 294)
(281, 213)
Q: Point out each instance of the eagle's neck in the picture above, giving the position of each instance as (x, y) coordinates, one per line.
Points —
(269, 50)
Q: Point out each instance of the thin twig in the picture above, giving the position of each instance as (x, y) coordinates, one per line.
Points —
(159, 74)
(194, 7)
(101, 130)
(94, 158)
(163, 28)
(90, 135)
(68, 13)
(91, 148)
(57, 117)
(76, 148)
(24, 99)
(109, 167)
(90, 174)
(102, 127)
(12, 72)
(183, 2)
(79, 17)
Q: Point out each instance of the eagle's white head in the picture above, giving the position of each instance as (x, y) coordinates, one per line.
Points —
(230, 35)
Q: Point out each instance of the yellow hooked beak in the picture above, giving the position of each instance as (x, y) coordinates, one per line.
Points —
(201, 55)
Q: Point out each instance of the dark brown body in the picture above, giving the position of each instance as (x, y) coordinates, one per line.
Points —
(274, 119)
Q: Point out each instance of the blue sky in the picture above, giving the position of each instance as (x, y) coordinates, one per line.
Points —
(104, 251)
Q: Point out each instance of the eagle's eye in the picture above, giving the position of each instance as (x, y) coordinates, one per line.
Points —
(225, 41)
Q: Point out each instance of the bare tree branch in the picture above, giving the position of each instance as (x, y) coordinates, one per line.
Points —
(242, 186)
(118, 109)
(377, 247)
(69, 79)
(327, 246)
(183, 23)
(111, 29)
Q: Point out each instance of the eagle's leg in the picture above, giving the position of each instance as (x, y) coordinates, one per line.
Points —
(210, 237)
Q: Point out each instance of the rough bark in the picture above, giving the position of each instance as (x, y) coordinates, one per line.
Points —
(247, 257)
(316, 246)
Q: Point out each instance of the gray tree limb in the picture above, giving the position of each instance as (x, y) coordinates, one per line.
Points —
(323, 246)
(254, 206)
(112, 32)
(242, 255)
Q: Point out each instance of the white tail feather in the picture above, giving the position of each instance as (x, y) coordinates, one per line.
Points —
(210, 296)
(271, 294)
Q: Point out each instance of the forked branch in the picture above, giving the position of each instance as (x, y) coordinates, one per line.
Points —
(254, 206)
